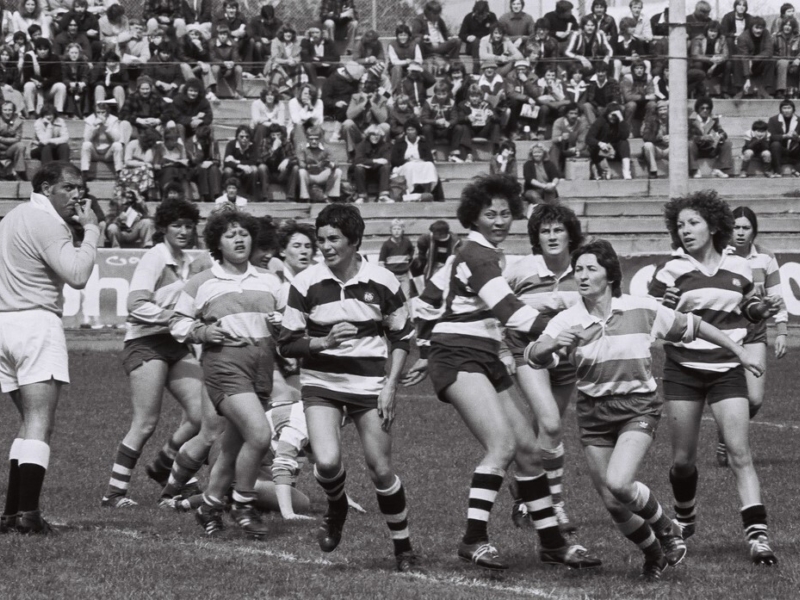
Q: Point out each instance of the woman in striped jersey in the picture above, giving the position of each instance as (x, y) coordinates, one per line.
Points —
(467, 372)
(544, 281)
(151, 357)
(607, 336)
(229, 309)
(707, 278)
(767, 280)
(344, 317)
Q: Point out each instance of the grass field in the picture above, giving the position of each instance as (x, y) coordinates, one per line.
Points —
(145, 552)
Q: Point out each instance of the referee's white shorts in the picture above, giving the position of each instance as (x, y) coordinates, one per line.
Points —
(33, 349)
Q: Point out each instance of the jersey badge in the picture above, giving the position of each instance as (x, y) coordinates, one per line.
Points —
(735, 281)
(369, 297)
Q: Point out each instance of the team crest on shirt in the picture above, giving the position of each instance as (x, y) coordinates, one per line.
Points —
(735, 281)
(369, 297)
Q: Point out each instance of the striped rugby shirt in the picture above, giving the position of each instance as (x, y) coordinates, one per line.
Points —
(613, 357)
(722, 298)
(372, 301)
(155, 287)
(429, 305)
(767, 280)
(538, 287)
(239, 303)
(480, 301)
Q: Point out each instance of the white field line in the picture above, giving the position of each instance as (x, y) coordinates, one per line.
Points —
(763, 424)
(446, 580)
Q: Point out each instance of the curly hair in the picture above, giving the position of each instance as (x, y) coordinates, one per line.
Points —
(550, 214)
(714, 211)
(289, 228)
(219, 222)
(606, 258)
(267, 238)
(747, 213)
(169, 212)
(479, 193)
(346, 218)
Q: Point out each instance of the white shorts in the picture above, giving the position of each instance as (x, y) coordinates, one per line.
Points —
(33, 349)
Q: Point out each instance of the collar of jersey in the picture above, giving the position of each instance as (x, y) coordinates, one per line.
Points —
(43, 203)
(221, 273)
(586, 319)
(681, 253)
(543, 271)
(478, 238)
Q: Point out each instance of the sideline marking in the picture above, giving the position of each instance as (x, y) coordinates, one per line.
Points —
(764, 423)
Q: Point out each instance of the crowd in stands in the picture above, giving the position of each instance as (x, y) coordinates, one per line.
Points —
(147, 89)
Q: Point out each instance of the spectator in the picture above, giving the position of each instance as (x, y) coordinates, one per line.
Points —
(51, 136)
(132, 228)
(317, 169)
(431, 33)
(369, 50)
(569, 137)
(204, 160)
(439, 119)
(368, 108)
(541, 49)
(164, 13)
(707, 139)
(416, 84)
(88, 25)
(396, 255)
(190, 110)
(71, 35)
(541, 177)
(628, 49)
(412, 159)
(787, 12)
(698, 22)
(41, 77)
(655, 133)
(400, 113)
(787, 51)
(638, 93)
(784, 133)
(318, 55)
(475, 26)
(756, 143)
(30, 13)
(110, 80)
(491, 83)
(102, 140)
(75, 75)
(305, 111)
(551, 98)
(138, 172)
(477, 122)
(9, 79)
(233, 18)
(588, 46)
(661, 84)
(277, 153)
(340, 20)
(659, 23)
(262, 29)
(520, 89)
(504, 161)
(114, 28)
(143, 109)
(338, 91)
(402, 51)
(11, 147)
(433, 250)
(135, 53)
(195, 56)
(602, 91)
(172, 162)
(231, 197)
(641, 25)
(284, 67)
(756, 46)
(458, 80)
(562, 23)
(496, 46)
(372, 162)
(165, 71)
(243, 160)
(268, 110)
(607, 139)
(735, 23)
(198, 13)
(576, 89)
(603, 20)
(709, 60)
(517, 24)
(224, 65)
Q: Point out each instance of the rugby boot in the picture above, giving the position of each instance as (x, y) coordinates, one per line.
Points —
(573, 557)
(653, 568)
(482, 554)
(210, 517)
(249, 519)
(408, 562)
(8, 523)
(330, 533)
(32, 522)
(761, 552)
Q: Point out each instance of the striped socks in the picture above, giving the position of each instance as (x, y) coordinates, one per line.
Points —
(535, 494)
(685, 491)
(122, 470)
(392, 502)
(553, 464)
(334, 490)
(637, 530)
(645, 505)
(486, 483)
(754, 521)
(183, 469)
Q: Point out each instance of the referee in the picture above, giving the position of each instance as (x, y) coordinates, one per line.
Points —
(37, 257)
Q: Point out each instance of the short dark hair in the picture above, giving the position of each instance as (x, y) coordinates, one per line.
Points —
(169, 212)
(290, 227)
(759, 125)
(245, 128)
(42, 44)
(702, 101)
(346, 218)
(606, 258)
(267, 238)
(479, 193)
(51, 173)
(219, 222)
(549, 213)
(48, 109)
(439, 228)
(758, 22)
(747, 213)
(714, 210)
(234, 181)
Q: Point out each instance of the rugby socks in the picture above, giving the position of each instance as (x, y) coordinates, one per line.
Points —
(334, 490)
(535, 494)
(122, 470)
(12, 495)
(183, 469)
(645, 505)
(685, 491)
(392, 502)
(486, 483)
(243, 498)
(754, 520)
(553, 464)
(637, 530)
(165, 459)
(34, 458)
